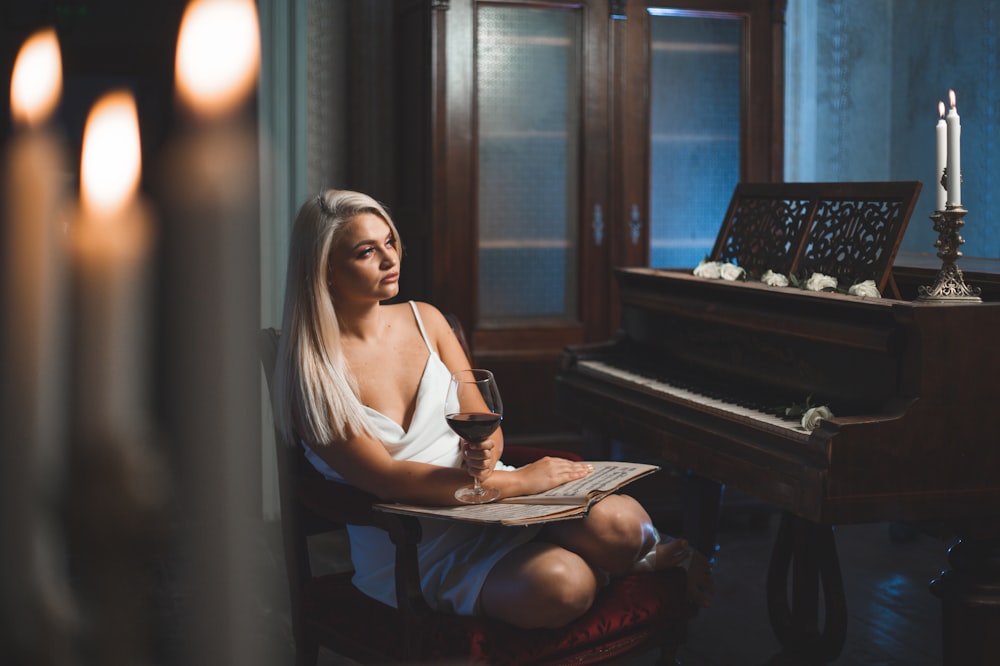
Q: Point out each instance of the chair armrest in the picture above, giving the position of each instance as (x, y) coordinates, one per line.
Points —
(345, 504)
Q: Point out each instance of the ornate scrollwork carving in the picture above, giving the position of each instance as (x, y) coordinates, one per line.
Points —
(849, 239)
(850, 231)
(950, 284)
(764, 234)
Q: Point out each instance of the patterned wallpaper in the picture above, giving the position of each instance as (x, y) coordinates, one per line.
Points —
(326, 35)
(863, 81)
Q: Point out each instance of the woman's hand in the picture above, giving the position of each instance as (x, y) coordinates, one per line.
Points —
(480, 457)
(548, 472)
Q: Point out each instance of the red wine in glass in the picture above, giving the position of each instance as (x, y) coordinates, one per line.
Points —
(473, 409)
(473, 426)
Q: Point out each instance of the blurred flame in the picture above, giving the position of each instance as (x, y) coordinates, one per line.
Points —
(218, 55)
(941, 108)
(951, 98)
(112, 161)
(36, 81)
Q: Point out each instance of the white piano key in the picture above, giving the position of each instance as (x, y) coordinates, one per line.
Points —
(659, 387)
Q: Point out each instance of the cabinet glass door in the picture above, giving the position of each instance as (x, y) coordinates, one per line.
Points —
(528, 100)
(695, 129)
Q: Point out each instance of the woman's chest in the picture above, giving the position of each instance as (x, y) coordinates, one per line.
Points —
(390, 382)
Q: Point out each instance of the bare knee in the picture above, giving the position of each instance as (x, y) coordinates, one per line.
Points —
(568, 592)
(620, 533)
(543, 586)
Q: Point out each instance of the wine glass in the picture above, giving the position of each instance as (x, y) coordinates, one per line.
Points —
(473, 409)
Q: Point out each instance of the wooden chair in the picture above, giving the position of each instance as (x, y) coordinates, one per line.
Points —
(633, 615)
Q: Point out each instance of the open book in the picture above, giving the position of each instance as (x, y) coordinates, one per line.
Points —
(570, 500)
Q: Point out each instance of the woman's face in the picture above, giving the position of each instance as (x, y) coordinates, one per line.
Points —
(364, 261)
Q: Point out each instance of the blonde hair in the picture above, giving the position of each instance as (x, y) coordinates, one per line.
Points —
(316, 393)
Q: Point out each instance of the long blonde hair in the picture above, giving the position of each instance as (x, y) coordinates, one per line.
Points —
(316, 392)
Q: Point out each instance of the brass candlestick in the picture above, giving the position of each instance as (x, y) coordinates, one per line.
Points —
(949, 287)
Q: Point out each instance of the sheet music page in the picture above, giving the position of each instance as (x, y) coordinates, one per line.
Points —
(496, 512)
(566, 501)
(607, 476)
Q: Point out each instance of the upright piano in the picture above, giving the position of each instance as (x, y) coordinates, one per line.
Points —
(711, 375)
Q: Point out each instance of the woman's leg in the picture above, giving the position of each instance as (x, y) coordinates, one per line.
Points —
(614, 536)
(618, 534)
(539, 585)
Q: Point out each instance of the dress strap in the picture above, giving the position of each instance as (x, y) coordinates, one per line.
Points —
(420, 325)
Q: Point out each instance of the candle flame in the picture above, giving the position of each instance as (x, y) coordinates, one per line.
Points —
(112, 157)
(218, 55)
(36, 80)
(951, 98)
(941, 109)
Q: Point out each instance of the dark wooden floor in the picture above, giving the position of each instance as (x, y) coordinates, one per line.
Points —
(894, 620)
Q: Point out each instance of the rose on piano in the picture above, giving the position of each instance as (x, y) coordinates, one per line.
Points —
(811, 414)
(719, 270)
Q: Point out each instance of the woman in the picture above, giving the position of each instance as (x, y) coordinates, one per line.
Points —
(362, 384)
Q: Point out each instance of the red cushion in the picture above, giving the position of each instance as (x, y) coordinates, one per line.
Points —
(635, 611)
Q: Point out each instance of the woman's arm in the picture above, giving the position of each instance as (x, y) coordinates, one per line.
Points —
(537, 477)
(364, 462)
(480, 457)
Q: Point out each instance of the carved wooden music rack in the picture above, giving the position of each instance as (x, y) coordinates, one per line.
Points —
(848, 230)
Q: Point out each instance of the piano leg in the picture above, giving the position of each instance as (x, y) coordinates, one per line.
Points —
(970, 601)
(807, 551)
(701, 506)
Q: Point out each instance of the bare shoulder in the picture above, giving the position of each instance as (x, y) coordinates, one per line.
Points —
(452, 351)
(401, 315)
(434, 320)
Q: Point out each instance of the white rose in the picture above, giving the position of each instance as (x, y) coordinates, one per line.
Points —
(773, 279)
(866, 289)
(731, 272)
(819, 282)
(814, 415)
(708, 269)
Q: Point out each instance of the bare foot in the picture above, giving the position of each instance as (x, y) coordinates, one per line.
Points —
(672, 552)
(679, 553)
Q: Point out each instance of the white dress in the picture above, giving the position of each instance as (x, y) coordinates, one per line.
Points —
(455, 557)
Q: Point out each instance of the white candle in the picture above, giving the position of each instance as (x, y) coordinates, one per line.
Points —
(941, 135)
(111, 241)
(33, 368)
(954, 153)
(212, 182)
(34, 248)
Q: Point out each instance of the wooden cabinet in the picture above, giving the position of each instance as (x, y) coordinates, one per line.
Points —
(700, 108)
(513, 142)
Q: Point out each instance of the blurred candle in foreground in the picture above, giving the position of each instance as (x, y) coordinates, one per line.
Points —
(941, 144)
(218, 56)
(34, 243)
(119, 484)
(111, 240)
(212, 199)
(35, 605)
(954, 153)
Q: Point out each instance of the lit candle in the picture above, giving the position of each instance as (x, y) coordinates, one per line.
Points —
(212, 194)
(941, 131)
(954, 153)
(212, 190)
(111, 241)
(34, 249)
(33, 356)
(218, 57)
